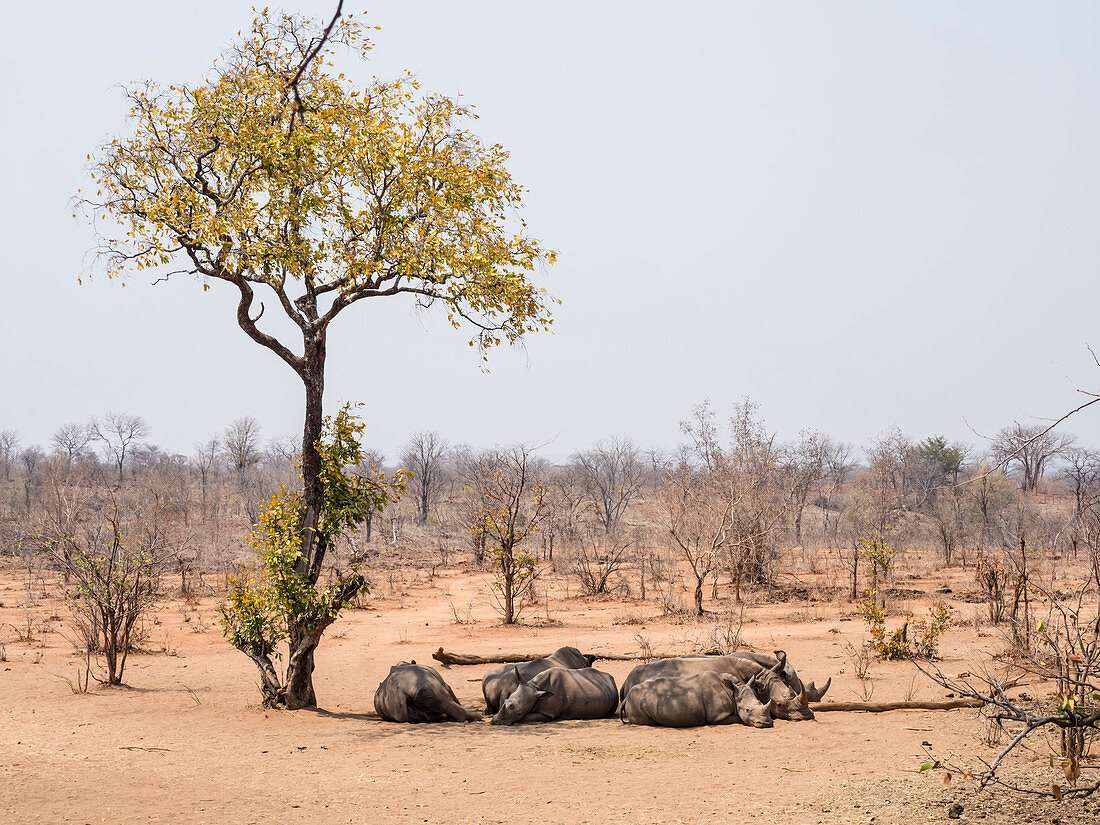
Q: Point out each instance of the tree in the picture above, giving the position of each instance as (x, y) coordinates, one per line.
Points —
(120, 434)
(1082, 472)
(945, 459)
(279, 178)
(805, 467)
(1029, 449)
(204, 460)
(695, 517)
(371, 463)
(989, 492)
(9, 452)
(424, 455)
(610, 474)
(70, 440)
(241, 444)
(112, 546)
(284, 603)
(511, 507)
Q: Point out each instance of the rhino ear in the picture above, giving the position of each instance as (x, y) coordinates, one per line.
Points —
(770, 707)
(781, 655)
(778, 669)
(519, 676)
(815, 694)
(543, 693)
(752, 682)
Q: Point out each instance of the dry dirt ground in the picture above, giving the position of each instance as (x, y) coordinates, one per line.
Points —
(186, 742)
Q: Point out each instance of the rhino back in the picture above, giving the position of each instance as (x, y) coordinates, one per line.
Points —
(681, 702)
(575, 693)
(569, 657)
(689, 666)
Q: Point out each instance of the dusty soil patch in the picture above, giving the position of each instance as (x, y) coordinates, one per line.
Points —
(186, 742)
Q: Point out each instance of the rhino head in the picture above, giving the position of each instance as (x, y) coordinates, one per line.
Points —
(815, 694)
(768, 685)
(519, 703)
(750, 710)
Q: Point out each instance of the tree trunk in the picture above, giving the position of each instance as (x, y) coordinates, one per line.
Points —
(698, 595)
(508, 576)
(299, 692)
(313, 376)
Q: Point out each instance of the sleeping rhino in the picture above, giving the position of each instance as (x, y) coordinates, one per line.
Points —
(560, 693)
(500, 683)
(415, 693)
(769, 684)
(700, 699)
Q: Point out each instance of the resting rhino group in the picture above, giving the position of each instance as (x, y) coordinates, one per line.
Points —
(775, 681)
(751, 688)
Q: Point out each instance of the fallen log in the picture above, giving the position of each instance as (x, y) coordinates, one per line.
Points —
(881, 707)
(448, 658)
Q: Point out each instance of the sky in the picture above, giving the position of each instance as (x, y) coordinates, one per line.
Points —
(860, 215)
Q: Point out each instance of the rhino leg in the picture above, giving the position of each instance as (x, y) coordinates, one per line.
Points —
(453, 711)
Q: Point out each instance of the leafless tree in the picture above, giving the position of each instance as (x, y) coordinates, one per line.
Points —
(120, 434)
(805, 468)
(610, 474)
(988, 493)
(879, 497)
(1030, 449)
(598, 556)
(724, 502)
(70, 440)
(282, 450)
(424, 454)
(205, 461)
(241, 444)
(372, 462)
(111, 543)
(30, 458)
(510, 508)
(9, 452)
(694, 515)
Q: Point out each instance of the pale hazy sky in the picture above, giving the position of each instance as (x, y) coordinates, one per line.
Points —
(862, 215)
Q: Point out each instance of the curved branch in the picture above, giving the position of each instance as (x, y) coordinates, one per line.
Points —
(248, 324)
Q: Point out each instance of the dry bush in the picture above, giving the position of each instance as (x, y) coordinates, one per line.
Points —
(598, 556)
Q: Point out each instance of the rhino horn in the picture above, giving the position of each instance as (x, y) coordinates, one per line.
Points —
(771, 707)
(752, 682)
(803, 699)
(815, 694)
(778, 669)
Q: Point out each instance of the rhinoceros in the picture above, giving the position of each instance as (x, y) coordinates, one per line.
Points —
(700, 699)
(498, 684)
(560, 693)
(769, 684)
(813, 693)
(415, 693)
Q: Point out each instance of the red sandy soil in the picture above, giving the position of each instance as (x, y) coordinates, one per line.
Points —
(187, 742)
